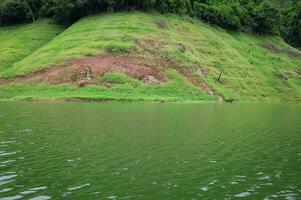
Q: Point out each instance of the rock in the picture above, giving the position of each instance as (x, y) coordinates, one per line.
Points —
(229, 100)
(86, 74)
(281, 76)
(203, 72)
(161, 24)
(181, 47)
(150, 80)
(82, 83)
(84, 77)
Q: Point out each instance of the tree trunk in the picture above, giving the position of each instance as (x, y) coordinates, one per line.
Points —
(219, 77)
(30, 11)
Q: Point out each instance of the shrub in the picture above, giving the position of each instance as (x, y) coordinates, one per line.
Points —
(12, 12)
(115, 48)
(221, 15)
(267, 18)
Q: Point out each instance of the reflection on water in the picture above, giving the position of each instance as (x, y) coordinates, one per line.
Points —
(150, 151)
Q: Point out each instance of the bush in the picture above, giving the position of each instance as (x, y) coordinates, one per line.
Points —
(12, 12)
(115, 48)
(292, 32)
(267, 18)
(18, 11)
(221, 15)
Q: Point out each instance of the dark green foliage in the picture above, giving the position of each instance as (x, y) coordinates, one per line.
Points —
(267, 18)
(257, 16)
(12, 12)
(292, 25)
(222, 15)
(18, 11)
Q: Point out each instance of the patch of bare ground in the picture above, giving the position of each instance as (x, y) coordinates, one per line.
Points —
(148, 68)
(153, 48)
(152, 51)
(87, 71)
(2, 81)
(271, 47)
(190, 76)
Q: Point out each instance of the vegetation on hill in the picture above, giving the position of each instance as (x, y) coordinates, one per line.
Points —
(273, 17)
(140, 56)
(17, 42)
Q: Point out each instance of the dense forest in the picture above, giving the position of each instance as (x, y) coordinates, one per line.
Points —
(273, 17)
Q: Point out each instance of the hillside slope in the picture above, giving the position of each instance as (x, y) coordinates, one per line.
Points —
(17, 42)
(139, 56)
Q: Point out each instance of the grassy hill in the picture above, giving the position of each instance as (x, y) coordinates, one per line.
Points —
(140, 56)
(18, 42)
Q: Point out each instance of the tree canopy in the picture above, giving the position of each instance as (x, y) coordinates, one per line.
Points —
(280, 17)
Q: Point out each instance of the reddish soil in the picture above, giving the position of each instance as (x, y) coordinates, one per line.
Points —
(134, 67)
(147, 69)
(200, 84)
(3, 81)
(54, 75)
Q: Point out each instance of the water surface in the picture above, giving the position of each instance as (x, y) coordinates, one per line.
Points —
(150, 151)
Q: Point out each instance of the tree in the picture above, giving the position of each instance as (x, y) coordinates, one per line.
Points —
(267, 18)
(293, 34)
(29, 10)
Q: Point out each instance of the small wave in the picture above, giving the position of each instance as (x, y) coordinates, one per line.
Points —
(6, 190)
(27, 192)
(78, 187)
(12, 197)
(8, 142)
(264, 178)
(25, 130)
(243, 194)
(7, 161)
(40, 198)
(112, 197)
(38, 188)
(7, 153)
(4, 178)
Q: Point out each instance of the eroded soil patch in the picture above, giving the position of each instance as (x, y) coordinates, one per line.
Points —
(75, 71)
(148, 68)
(199, 83)
(271, 47)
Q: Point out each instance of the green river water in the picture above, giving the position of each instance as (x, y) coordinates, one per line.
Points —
(150, 151)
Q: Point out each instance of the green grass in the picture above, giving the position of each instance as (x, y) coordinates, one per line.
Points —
(18, 42)
(125, 89)
(249, 70)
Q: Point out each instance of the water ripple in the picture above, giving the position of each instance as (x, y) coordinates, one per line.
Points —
(78, 187)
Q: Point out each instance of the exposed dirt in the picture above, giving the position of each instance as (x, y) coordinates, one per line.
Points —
(148, 68)
(199, 83)
(281, 76)
(271, 47)
(153, 51)
(3, 81)
(53, 75)
(133, 66)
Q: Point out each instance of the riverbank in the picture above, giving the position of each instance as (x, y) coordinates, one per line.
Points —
(145, 57)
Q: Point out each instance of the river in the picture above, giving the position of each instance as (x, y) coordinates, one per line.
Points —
(150, 151)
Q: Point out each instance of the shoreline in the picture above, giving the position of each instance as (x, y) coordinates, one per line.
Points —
(159, 101)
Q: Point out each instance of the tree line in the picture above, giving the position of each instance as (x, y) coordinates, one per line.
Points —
(273, 17)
